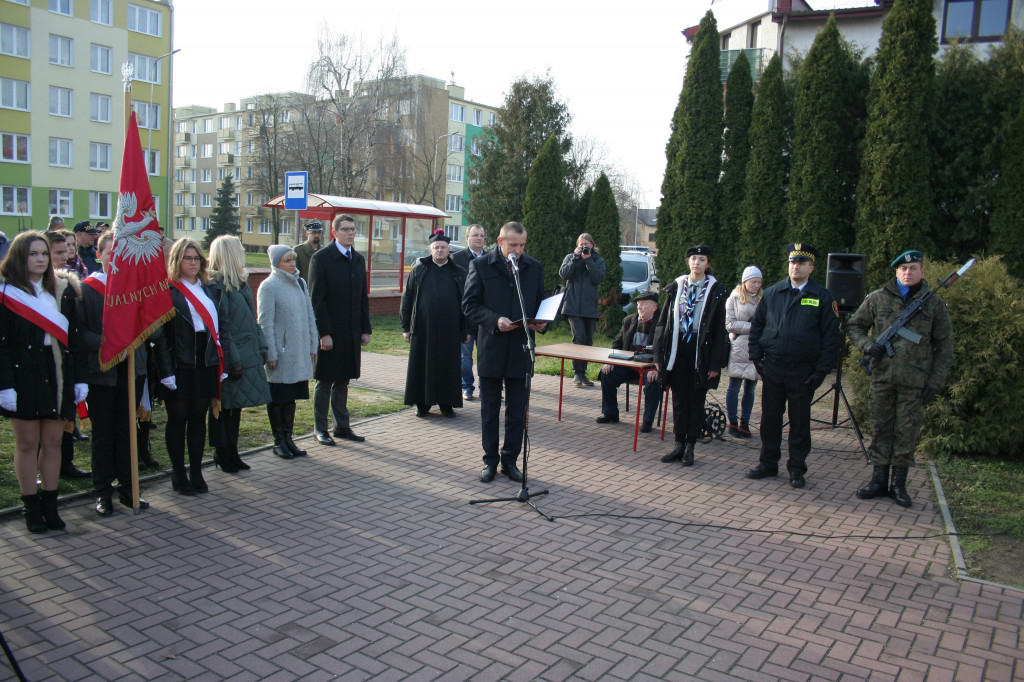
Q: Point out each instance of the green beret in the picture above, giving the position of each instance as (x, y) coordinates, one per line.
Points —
(911, 256)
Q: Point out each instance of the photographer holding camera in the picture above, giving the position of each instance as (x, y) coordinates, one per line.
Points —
(582, 270)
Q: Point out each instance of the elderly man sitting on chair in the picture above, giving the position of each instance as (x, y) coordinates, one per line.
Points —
(637, 333)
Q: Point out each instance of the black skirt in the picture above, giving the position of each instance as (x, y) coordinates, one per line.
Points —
(198, 383)
(289, 393)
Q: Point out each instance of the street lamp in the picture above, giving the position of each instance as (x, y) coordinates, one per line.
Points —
(149, 134)
(434, 166)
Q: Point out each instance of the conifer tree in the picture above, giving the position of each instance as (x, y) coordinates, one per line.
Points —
(739, 103)
(1008, 208)
(894, 200)
(814, 179)
(693, 212)
(544, 211)
(603, 226)
(224, 217)
(763, 214)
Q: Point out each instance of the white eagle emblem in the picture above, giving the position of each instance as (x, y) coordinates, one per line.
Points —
(128, 243)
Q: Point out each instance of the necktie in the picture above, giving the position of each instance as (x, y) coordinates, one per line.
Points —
(348, 254)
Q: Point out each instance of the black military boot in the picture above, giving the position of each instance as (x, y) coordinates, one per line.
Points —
(33, 513)
(734, 430)
(688, 455)
(878, 486)
(744, 428)
(675, 455)
(898, 491)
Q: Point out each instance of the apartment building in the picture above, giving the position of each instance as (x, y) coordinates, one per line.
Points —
(62, 105)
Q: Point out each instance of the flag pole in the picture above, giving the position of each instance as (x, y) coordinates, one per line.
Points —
(127, 72)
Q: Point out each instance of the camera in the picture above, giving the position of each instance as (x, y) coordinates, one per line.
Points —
(585, 250)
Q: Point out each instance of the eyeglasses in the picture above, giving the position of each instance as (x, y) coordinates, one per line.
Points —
(346, 229)
(192, 259)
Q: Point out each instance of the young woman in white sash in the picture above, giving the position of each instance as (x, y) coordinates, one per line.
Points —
(42, 371)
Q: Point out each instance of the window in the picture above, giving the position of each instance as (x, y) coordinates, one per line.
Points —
(148, 114)
(250, 147)
(60, 50)
(99, 204)
(191, 224)
(99, 156)
(238, 173)
(99, 59)
(249, 198)
(19, 2)
(207, 125)
(492, 118)
(15, 147)
(147, 69)
(192, 154)
(206, 150)
(238, 123)
(13, 94)
(476, 146)
(60, 152)
(179, 175)
(181, 152)
(179, 225)
(454, 173)
(204, 224)
(152, 161)
(205, 175)
(725, 40)
(60, 203)
(248, 173)
(248, 225)
(236, 199)
(100, 12)
(404, 107)
(284, 116)
(179, 198)
(456, 143)
(99, 107)
(192, 199)
(61, 101)
(752, 34)
(457, 112)
(264, 226)
(286, 226)
(981, 20)
(224, 148)
(15, 199)
(478, 117)
(222, 173)
(61, 7)
(142, 20)
(452, 232)
(452, 203)
(14, 40)
(192, 176)
(180, 127)
(224, 123)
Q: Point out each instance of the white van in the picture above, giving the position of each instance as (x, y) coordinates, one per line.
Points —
(638, 276)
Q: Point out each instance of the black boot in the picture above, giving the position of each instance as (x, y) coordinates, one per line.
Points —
(744, 428)
(179, 477)
(142, 441)
(67, 456)
(287, 424)
(195, 472)
(275, 413)
(33, 514)
(48, 506)
(878, 486)
(237, 460)
(675, 455)
(898, 491)
(734, 430)
(688, 455)
(222, 459)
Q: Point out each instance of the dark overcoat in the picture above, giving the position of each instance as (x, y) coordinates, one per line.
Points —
(90, 322)
(341, 305)
(712, 343)
(237, 314)
(491, 294)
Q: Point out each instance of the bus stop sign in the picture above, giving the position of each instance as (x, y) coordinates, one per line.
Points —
(295, 194)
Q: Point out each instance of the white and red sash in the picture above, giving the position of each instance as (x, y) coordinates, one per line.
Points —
(97, 284)
(207, 318)
(27, 306)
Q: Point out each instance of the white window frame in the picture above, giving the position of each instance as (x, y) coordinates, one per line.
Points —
(100, 107)
(100, 58)
(478, 117)
(62, 101)
(492, 118)
(475, 147)
(62, 50)
(205, 200)
(101, 12)
(205, 175)
(15, 41)
(179, 198)
(12, 141)
(455, 172)
(453, 232)
(204, 224)
(147, 114)
(147, 69)
(143, 20)
(192, 199)
(62, 202)
(286, 226)
(206, 151)
(100, 204)
(207, 125)
(179, 225)
(152, 158)
(13, 197)
(13, 93)
(64, 7)
(265, 226)
(248, 225)
(456, 143)
(453, 203)
(457, 112)
(223, 147)
(99, 156)
(61, 152)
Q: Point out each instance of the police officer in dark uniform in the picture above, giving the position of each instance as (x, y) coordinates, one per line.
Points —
(86, 235)
(794, 339)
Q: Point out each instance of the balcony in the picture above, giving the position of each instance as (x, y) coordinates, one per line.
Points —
(225, 159)
(757, 56)
(183, 137)
(225, 134)
(182, 162)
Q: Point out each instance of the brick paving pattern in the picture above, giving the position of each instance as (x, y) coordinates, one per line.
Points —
(365, 561)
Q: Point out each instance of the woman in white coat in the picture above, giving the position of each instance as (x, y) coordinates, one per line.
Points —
(739, 310)
(286, 316)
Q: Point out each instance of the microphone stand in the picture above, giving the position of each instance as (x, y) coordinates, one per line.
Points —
(530, 348)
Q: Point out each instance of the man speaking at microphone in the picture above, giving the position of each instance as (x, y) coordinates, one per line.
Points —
(491, 305)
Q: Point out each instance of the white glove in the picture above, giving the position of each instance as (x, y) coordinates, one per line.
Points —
(9, 399)
(170, 383)
(81, 393)
(223, 377)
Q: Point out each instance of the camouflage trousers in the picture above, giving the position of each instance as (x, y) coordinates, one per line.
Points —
(895, 413)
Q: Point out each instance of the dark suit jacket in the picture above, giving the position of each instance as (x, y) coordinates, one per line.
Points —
(463, 258)
(491, 294)
(337, 290)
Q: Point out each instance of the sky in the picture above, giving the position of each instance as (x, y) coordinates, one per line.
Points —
(618, 66)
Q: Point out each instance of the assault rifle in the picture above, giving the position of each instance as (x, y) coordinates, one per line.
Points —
(897, 328)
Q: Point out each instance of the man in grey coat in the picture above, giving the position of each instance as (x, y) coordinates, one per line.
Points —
(583, 270)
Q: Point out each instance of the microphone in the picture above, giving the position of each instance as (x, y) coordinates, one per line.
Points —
(512, 260)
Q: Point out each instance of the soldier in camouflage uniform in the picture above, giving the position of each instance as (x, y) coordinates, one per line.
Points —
(902, 384)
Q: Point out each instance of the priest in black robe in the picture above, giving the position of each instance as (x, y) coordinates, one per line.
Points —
(435, 327)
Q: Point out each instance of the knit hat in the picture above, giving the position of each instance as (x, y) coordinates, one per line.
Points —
(277, 252)
(750, 272)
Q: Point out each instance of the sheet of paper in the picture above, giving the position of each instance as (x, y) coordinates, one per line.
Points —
(549, 308)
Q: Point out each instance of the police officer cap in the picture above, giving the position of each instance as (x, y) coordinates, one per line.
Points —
(699, 250)
(649, 296)
(85, 226)
(439, 236)
(911, 256)
(801, 252)
(314, 226)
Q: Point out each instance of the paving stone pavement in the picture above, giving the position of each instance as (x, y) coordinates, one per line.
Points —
(365, 561)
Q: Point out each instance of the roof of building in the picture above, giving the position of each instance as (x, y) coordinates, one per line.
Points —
(648, 216)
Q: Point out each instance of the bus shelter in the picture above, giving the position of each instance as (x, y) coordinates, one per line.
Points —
(390, 235)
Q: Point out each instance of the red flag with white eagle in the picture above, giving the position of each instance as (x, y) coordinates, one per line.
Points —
(138, 297)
